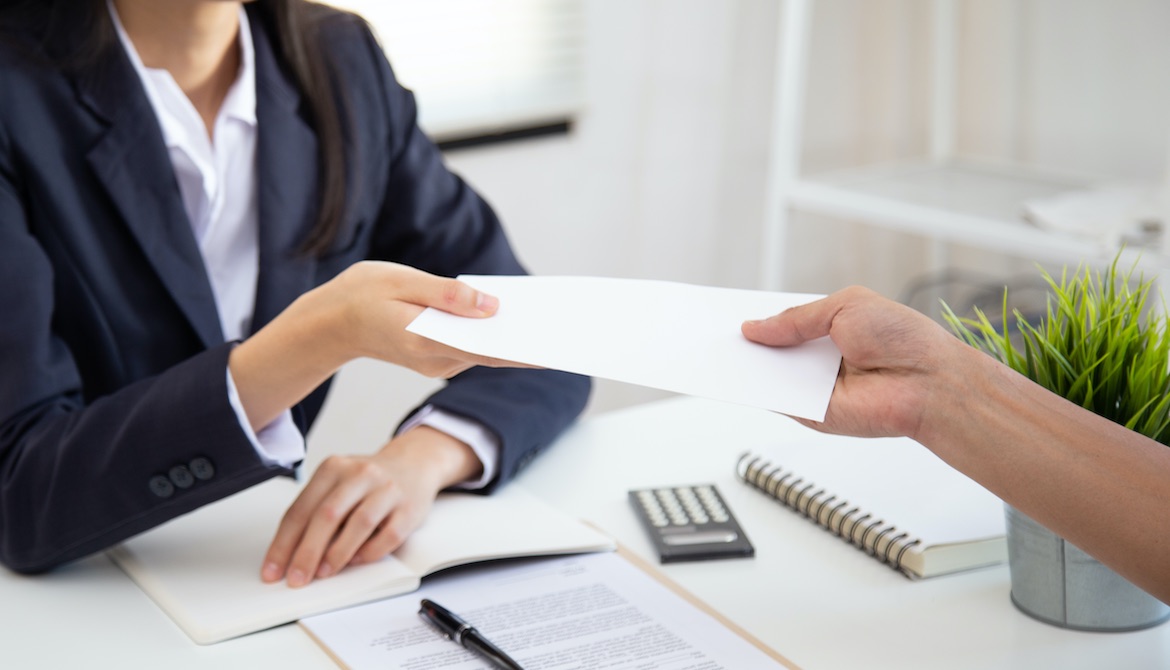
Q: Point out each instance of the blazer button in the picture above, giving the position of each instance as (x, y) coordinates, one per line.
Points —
(202, 468)
(161, 486)
(181, 476)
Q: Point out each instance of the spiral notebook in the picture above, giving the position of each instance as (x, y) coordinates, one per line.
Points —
(890, 497)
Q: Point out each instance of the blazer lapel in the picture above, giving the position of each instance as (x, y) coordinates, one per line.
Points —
(132, 162)
(286, 165)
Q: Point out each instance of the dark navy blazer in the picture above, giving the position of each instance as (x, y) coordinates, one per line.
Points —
(114, 413)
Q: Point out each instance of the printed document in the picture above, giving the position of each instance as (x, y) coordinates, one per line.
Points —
(677, 337)
(596, 611)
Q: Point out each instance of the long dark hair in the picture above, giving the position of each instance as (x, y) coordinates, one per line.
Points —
(296, 25)
(86, 28)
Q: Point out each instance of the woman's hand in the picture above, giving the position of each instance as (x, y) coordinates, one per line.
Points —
(357, 509)
(363, 312)
(371, 303)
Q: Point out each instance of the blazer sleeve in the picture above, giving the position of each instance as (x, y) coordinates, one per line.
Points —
(431, 219)
(77, 477)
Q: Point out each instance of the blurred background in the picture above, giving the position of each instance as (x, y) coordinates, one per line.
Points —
(924, 148)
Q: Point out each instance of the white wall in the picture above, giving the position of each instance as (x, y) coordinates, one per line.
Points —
(663, 175)
(660, 178)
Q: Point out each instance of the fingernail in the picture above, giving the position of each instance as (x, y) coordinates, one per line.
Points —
(753, 322)
(324, 570)
(296, 577)
(270, 572)
(487, 303)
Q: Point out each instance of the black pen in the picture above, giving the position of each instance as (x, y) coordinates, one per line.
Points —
(460, 631)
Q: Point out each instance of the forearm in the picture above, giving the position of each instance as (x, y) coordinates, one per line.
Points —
(1097, 484)
(282, 363)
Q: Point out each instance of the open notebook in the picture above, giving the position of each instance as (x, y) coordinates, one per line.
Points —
(890, 497)
(203, 569)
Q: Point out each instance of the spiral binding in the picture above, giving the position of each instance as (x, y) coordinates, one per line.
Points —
(875, 537)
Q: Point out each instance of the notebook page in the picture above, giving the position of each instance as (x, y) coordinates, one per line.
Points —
(895, 480)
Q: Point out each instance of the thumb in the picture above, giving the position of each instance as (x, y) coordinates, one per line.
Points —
(452, 295)
(449, 295)
(794, 325)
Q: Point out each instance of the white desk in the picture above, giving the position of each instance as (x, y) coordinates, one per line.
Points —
(813, 598)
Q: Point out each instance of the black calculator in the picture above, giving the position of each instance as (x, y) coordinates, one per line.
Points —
(690, 523)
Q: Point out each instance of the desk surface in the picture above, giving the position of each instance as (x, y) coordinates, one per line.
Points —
(814, 599)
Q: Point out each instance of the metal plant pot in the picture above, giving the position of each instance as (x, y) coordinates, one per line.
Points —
(1057, 583)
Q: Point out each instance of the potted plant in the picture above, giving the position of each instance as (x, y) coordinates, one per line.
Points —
(1100, 346)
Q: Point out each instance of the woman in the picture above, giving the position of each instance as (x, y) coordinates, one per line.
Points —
(191, 193)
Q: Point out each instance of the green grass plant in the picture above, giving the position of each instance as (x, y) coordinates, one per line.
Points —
(1098, 345)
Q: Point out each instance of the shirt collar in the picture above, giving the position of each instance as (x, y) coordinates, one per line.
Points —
(240, 103)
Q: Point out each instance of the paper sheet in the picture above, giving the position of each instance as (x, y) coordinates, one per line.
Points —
(588, 611)
(672, 336)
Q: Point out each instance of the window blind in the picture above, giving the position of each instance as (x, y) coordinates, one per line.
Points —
(481, 67)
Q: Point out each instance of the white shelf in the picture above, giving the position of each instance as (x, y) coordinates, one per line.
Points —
(942, 198)
(979, 206)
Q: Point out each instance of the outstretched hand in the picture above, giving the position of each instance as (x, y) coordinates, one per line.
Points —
(362, 312)
(373, 302)
(891, 357)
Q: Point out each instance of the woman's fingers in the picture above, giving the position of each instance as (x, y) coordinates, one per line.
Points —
(421, 288)
(295, 522)
(390, 536)
(326, 522)
(351, 508)
(366, 519)
(312, 521)
(438, 360)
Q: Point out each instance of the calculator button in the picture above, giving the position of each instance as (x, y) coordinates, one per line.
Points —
(689, 523)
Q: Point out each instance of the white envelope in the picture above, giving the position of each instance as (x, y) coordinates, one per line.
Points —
(666, 335)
